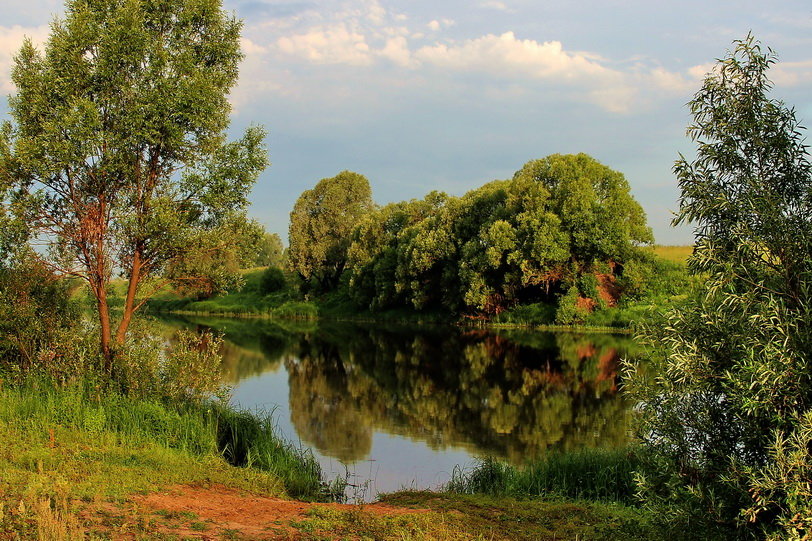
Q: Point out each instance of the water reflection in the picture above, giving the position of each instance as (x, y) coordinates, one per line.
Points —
(512, 394)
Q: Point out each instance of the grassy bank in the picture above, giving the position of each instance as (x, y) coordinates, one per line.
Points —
(666, 288)
(451, 517)
(74, 465)
(63, 447)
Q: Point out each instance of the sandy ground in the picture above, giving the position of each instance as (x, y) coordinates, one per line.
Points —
(228, 513)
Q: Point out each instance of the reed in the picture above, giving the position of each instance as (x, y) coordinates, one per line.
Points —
(605, 475)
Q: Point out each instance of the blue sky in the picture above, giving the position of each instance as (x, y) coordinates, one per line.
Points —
(420, 96)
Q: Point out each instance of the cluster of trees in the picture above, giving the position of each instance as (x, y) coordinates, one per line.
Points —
(560, 226)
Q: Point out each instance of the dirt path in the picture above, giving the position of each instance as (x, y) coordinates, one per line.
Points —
(219, 512)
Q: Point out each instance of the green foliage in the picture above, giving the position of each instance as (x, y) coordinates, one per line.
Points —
(273, 280)
(570, 311)
(320, 227)
(117, 154)
(726, 404)
(248, 439)
(598, 214)
(270, 252)
(38, 330)
(508, 242)
(528, 314)
(297, 310)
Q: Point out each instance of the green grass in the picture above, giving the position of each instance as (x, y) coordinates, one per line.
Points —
(198, 431)
(605, 475)
(56, 462)
(447, 517)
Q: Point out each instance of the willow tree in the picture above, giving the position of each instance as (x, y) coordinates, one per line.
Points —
(321, 225)
(727, 404)
(117, 152)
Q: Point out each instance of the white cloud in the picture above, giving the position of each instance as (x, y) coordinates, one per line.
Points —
(365, 34)
(784, 74)
(376, 13)
(788, 74)
(698, 72)
(438, 24)
(672, 81)
(397, 51)
(250, 47)
(507, 54)
(334, 44)
(11, 39)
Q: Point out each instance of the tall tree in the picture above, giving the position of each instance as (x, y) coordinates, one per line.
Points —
(728, 416)
(270, 251)
(117, 147)
(321, 224)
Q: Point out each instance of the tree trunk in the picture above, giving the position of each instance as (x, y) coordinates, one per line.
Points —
(104, 323)
(129, 303)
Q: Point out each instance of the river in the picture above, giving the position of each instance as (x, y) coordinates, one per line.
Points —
(397, 406)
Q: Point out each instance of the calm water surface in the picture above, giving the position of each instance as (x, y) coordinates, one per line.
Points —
(402, 406)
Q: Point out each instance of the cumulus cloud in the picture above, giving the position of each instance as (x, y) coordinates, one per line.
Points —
(506, 53)
(784, 74)
(397, 51)
(438, 24)
(789, 74)
(336, 44)
(367, 34)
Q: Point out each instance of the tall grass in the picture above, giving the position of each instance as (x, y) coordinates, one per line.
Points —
(249, 439)
(242, 438)
(589, 474)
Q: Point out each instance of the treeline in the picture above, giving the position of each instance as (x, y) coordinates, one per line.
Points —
(565, 231)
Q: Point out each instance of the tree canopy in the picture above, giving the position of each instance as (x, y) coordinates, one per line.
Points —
(728, 417)
(528, 238)
(117, 154)
(320, 227)
(270, 252)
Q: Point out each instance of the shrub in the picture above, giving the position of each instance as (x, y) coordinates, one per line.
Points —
(570, 311)
(273, 280)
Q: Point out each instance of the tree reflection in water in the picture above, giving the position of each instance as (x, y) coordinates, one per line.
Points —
(512, 394)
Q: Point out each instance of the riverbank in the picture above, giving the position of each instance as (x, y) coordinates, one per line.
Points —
(77, 465)
(669, 288)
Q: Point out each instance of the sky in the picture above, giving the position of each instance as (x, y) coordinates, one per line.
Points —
(422, 96)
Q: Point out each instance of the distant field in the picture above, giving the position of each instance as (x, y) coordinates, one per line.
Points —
(677, 254)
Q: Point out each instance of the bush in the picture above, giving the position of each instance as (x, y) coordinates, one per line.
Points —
(273, 280)
(189, 369)
(570, 312)
(40, 326)
(725, 401)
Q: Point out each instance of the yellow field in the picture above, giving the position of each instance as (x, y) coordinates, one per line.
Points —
(678, 254)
